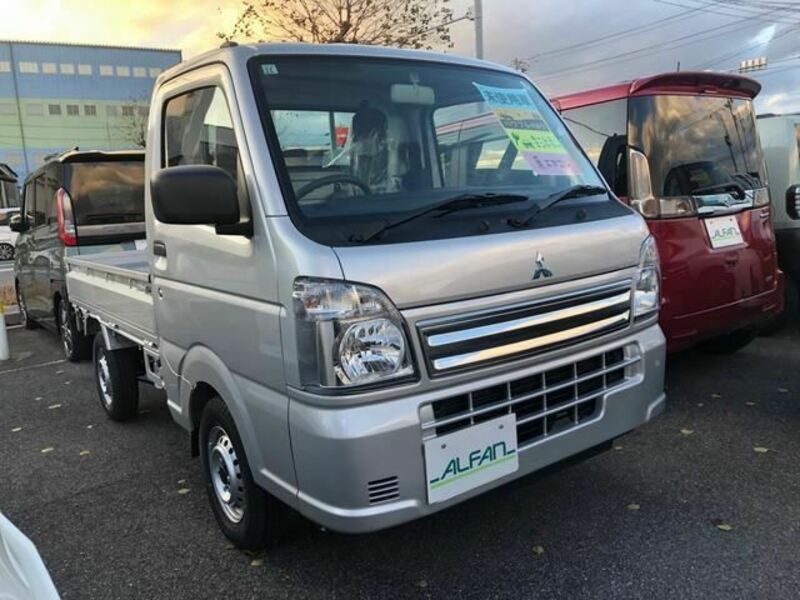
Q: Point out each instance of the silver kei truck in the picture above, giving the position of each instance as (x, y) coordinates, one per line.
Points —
(376, 283)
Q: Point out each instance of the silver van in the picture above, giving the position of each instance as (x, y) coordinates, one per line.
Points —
(77, 203)
(780, 139)
(377, 283)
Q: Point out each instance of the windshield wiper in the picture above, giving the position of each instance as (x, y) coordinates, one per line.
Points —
(750, 179)
(731, 187)
(450, 205)
(576, 191)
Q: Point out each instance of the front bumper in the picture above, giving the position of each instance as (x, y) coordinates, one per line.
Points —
(342, 455)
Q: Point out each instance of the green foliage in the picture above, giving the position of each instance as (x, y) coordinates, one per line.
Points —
(400, 23)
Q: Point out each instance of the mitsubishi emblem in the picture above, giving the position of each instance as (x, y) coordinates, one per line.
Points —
(541, 270)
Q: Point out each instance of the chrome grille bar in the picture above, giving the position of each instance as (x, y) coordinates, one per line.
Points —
(470, 358)
(466, 341)
(474, 333)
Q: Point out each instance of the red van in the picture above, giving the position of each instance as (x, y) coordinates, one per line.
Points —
(682, 149)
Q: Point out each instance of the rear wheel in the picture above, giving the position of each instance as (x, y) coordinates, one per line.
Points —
(6, 252)
(116, 375)
(23, 312)
(791, 309)
(248, 515)
(76, 346)
(729, 343)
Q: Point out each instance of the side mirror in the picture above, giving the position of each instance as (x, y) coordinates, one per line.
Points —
(16, 224)
(793, 201)
(196, 195)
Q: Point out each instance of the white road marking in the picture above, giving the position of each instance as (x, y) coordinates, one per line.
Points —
(29, 367)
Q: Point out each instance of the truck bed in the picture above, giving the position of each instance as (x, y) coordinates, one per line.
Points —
(114, 288)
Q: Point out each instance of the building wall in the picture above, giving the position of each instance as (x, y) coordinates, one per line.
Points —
(55, 97)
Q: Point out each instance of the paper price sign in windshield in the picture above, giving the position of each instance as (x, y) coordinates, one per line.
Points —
(523, 124)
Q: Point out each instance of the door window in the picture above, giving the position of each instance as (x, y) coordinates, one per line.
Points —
(602, 130)
(198, 130)
(37, 217)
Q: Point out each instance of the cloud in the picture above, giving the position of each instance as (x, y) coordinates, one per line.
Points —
(764, 36)
(190, 25)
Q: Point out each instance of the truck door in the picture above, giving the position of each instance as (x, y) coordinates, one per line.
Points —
(212, 292)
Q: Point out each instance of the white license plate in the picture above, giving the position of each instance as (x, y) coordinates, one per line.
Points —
(723, 232)
(458, 462)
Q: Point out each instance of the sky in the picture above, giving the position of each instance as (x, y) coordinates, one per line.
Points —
(568, 44)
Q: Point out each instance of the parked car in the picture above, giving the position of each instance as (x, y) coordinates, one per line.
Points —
(78, 203)
(780, 139)
(682, 149)
(8, 238)
(9, 206)
(357, 314)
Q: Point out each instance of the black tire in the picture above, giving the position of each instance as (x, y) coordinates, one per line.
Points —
(6, 251)
(25, 320)
(262, 517)
(116, 377)
(76, 346)
(729, 343)
(791, 308)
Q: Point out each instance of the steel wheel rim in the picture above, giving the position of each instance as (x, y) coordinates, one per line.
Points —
(226, 474)
(104, 378)
(66, 330)
(6, 252)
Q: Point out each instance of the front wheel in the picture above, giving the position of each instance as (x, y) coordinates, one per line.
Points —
(6, 252)
(116, 375)
(729, 343)
(76, 345)
(248, 515)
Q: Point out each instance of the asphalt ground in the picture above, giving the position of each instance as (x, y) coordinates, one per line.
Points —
(703, 502)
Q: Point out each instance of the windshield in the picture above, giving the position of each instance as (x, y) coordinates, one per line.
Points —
(360, 141)
(697, 144)
(105, 193)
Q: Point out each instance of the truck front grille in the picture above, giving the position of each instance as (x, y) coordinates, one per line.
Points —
(545, 403)
(469, 341)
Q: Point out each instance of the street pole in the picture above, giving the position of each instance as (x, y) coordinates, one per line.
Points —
(478, 28)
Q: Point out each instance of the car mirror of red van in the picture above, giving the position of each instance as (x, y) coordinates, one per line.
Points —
(793, 201)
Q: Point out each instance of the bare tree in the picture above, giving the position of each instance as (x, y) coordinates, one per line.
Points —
(133, 124)
(520, 64)
(401, 23)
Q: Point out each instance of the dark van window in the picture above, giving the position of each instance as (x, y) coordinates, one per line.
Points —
(694, 142)
(106, 193)
(602, 130)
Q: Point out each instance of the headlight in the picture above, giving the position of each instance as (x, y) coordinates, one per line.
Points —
(647, 284)
(348, 335)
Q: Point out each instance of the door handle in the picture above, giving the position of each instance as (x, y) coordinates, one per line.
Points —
(160, 249)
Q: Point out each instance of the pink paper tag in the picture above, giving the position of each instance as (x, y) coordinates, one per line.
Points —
(542, 163)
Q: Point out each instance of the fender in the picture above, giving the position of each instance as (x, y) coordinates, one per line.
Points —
(201, 365)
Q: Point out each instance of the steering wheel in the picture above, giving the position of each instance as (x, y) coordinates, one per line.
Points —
(330, 179)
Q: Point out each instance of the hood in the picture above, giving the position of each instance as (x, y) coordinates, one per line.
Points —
(438, 271)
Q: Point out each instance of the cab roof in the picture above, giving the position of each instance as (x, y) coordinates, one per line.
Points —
(230, 53)
(691, 83)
